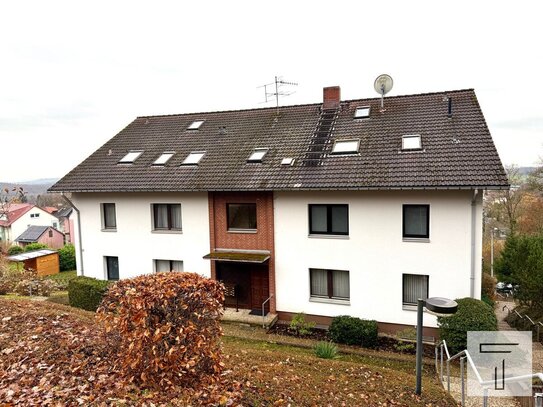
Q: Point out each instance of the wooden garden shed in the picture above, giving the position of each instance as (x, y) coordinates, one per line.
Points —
(44, 261)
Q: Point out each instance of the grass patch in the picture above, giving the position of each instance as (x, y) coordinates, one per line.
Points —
(278, 372)
(265, 373)
(59, 297)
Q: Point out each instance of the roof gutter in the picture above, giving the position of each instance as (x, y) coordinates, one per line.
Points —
(473, 237)
(78, 231)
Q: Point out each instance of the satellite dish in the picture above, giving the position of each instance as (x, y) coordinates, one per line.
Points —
(383, 85)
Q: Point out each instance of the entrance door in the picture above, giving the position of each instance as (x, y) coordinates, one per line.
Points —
(259, 287)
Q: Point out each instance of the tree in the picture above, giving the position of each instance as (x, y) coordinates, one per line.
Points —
(522, 262)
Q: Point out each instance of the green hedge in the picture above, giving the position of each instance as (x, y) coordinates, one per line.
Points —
(67, 258)
(86, 292)
(15, 250)
(472, 315)
(353, 331)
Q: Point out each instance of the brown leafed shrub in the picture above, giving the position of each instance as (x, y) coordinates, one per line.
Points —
(35, 286)
(166, 328)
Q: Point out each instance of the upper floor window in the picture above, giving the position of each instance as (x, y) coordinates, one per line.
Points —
(166, 216)
(415, 286)
(331, 284)
(328, 219)
(34, 215)
(241, 216)
(168, 265)
(109, 217)
(416, 221)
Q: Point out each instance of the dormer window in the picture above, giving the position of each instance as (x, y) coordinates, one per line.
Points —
(194, 158)
(362, 112)
(164, 158)
(195, 125)
(130, 157)
(411, 142)
(257, 155)
(346, 147)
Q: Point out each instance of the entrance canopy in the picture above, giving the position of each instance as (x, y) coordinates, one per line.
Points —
(237, 256)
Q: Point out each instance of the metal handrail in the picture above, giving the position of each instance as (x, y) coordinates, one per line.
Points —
(463, 355)
(263, 315)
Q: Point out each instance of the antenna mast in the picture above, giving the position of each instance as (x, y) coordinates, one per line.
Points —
(276, 90)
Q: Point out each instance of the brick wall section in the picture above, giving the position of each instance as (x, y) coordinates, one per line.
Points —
(263, 239)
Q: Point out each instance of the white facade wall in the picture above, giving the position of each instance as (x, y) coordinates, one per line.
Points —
(374, 253)
(20, 225)
(134, 242)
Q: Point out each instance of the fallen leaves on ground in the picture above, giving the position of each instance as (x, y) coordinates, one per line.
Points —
(51, 354)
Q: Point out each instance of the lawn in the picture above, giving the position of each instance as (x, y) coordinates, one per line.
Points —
(51, 353)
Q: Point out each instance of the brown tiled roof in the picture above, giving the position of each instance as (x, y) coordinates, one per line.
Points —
(458, 152)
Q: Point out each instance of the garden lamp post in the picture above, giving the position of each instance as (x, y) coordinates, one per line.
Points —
(436, 306)
(492, 231)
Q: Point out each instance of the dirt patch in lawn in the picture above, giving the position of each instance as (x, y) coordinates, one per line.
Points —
(51, 354)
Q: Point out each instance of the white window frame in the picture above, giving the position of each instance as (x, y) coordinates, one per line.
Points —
(194, 158)
(131, 157)
(406, 139)
(258, 155)
(358, 115)
(196, 124)
(337, 149)
(164, 158)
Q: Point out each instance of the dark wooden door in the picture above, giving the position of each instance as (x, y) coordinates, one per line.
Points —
(259, 287)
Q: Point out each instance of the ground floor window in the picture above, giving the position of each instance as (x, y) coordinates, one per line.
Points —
(112, 268)
(168, 265)
(333, 284)
(415, 286)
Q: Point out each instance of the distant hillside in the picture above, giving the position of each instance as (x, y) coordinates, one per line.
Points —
(37, 187)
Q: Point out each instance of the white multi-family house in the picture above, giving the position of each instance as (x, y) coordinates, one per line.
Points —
(334, 208)
(18, 217)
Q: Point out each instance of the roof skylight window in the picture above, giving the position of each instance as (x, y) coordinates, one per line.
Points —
(195, 125)
(164, 158)
(194, 158)
(411, 142)
(257, 155)
(345, 147)
(362, 112)
(130, 157)
(287, 161)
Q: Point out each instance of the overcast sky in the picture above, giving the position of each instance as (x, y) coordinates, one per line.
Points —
(73, 74)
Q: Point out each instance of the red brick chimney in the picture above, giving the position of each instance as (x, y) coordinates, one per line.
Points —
(332, 97)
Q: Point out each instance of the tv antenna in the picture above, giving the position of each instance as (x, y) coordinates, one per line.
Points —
(273, 89)
(383, 85)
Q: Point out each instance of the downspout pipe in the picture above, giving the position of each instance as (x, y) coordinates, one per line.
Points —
(473, 238)
(78, 230)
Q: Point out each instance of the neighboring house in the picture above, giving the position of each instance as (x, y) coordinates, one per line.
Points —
(335, 208)
(19, 217)
(41, 234)
(66, 218)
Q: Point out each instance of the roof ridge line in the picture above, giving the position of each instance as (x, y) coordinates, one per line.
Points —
(304, 104)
